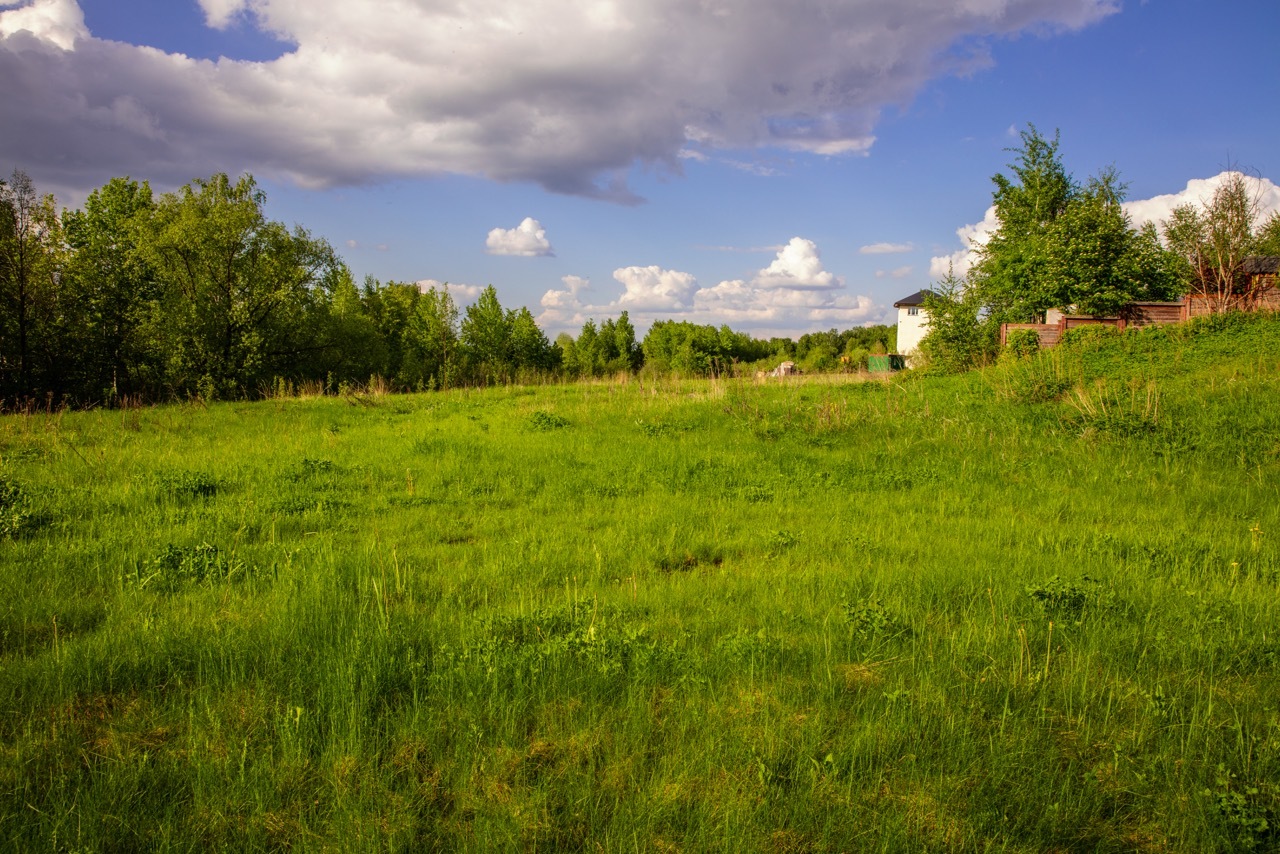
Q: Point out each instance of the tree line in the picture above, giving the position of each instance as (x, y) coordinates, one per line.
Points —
(196, 293)
(1063, 244)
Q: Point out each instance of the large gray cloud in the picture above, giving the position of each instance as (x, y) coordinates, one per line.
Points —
(564, 93)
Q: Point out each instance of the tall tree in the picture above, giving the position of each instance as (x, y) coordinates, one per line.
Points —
(1097, 262)
(1268, 237)
(434, 332)
(31, 255)
(114, 287)
(1012, 272)
(624, 335)
(1062, 245)
(1213, 240)
(486, 332)
(354, 351)
(531, 352)
(959, 337)
(236, 285)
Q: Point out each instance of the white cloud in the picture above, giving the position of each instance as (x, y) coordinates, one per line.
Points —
(58, 22)
(798, 266)
(462, 294)
(897, 273)
(220, 13)
(528, 240)
(1141, 211)
(506, 89)
(576, 284)
(781, 300)
(972, 238)
(886, 249)
(1199, 191)
(655, 288)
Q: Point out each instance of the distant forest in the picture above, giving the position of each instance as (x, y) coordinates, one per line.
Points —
(197, 294)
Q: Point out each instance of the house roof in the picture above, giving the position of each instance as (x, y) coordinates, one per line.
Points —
(1261, 265)
(915, 299)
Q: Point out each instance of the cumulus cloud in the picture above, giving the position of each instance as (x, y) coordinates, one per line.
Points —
(461, 294)
(655, 288)
(576, 284)
(886, 249)
(798, 266)
(60, 24)
(568, 96)
(897, 273)
(1141, 211)
(528, 240)
(781, 299)
(1200, 191)
(972, 237)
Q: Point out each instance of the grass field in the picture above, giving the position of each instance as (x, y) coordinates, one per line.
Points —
(1030, 609)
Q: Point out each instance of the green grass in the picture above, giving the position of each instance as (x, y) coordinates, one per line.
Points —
(1031, 609)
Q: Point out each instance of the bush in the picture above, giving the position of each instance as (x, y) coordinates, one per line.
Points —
(855, 359)
(15, 508)
(542, 420)
(189, 484)
(1021, 344)
(1089, 337)
(177, 565)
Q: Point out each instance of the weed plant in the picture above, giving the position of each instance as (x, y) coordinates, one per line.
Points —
(1032, 609)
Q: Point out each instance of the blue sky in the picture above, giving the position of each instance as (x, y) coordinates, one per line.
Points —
(719, 162)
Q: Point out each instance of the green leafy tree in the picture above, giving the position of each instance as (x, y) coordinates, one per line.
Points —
(586, 353)
(959, 337)
(1268, 238)
(531, 352)
(567, 354)
(436, 329)
(486, 332)
(31, 265)
(236, 286)
(1012, 275)
(114, 288)
(354, 348)
(1062, 245)
(692, 350)
(1097, 262)
(629, 351)
(1213, 239)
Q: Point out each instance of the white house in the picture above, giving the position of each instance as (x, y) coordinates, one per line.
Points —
(913, 322)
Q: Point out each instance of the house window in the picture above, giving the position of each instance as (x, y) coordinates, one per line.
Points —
(913, 311)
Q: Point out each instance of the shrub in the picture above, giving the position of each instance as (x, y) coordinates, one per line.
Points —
(1243, 813)
(1089, 337)
(869, 618)
(177, 565)
(1033, 380)
(544, 420)
(1021, 344)
(1060, 599)
(15, 508)
(189, 484)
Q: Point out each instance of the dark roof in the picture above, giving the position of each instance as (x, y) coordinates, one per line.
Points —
(915, 299)
(1261, 265)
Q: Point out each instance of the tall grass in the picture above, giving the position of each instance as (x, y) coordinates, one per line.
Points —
(932, 614)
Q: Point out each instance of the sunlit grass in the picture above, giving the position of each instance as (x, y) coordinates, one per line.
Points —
(953, 614)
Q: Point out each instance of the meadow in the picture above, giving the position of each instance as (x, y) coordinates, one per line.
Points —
(1026, 609)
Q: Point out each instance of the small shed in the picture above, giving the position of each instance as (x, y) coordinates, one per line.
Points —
(885, 362)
